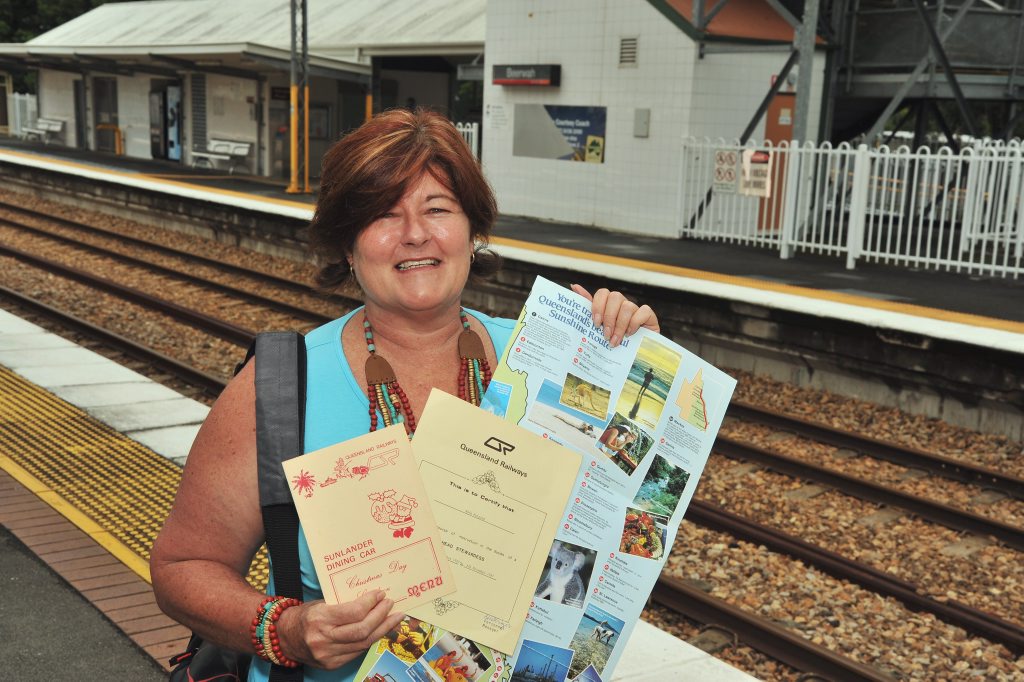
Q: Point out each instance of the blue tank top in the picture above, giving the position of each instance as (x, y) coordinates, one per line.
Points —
(337, 410)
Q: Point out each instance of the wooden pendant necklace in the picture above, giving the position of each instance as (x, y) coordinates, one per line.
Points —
(388, 399)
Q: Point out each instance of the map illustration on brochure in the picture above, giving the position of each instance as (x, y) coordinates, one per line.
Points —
(367, 522)
(644, 416)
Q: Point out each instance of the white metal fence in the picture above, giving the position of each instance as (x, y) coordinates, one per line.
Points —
(471, 134)
(959, 212)
(21, 113)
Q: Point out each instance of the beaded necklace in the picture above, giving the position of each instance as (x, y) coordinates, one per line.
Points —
(389, 399)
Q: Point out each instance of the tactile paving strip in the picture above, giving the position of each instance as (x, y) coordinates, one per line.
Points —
(123, 486)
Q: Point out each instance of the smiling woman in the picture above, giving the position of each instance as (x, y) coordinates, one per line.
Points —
(404, 212)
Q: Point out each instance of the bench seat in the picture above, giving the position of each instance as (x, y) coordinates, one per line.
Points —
(234, 153)
(44, 129)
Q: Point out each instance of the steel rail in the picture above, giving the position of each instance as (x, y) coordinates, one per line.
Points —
(933, 511)
(955, 613)
(225, 330)
(761, 634)
(271, 303)
(209, 383)
(237, 269)
(939, 465)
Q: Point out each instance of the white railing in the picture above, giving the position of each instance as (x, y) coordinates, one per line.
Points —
(471, 134)
(21, 113)
(960, 212)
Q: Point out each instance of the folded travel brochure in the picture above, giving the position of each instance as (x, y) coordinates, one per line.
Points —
(644, 415)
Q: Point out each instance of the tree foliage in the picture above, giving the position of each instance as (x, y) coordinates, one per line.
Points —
(22, 20)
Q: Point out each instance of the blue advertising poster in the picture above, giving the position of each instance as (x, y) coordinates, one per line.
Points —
(568, 133)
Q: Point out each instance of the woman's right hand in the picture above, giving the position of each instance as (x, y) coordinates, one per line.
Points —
(328, 636)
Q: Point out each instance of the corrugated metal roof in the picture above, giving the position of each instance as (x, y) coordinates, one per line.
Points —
(333, 24)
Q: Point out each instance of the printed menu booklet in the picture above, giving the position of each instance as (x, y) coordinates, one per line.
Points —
(367, 521)
(644, 415)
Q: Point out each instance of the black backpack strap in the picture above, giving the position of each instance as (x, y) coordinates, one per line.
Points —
(280, 420)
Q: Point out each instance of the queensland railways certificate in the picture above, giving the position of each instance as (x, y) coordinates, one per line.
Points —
(498, 492)
(367, 521)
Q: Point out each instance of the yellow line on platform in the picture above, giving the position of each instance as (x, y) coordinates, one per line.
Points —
(180, 176)
(807, 292)
(119, 550)
(157, 178)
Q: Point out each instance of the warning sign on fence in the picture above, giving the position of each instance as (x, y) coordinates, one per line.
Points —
(756, 176)
(727, 171)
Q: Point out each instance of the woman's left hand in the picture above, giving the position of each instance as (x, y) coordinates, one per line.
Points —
(619, 316)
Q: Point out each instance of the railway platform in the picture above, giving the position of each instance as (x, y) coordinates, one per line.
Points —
(90, 457)
(818, 283)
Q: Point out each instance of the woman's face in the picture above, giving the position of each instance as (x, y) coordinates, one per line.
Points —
(415, 257)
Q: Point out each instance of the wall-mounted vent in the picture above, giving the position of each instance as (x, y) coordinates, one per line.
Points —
(627, 51)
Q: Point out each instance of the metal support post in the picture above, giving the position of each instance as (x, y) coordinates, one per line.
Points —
(858, 206)
(293, 129)
(305, 94)
(806, 37)
(794, 161)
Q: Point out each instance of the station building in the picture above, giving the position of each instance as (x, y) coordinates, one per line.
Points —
(587, 102)
(168, 79)
(583, 103)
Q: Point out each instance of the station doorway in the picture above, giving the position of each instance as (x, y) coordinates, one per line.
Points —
(104, 105)
(165, 119)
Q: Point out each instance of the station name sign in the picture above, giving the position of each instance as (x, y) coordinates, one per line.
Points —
(527, 74)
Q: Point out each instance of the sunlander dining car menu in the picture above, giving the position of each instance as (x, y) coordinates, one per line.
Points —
(367, 522)
(644, 415)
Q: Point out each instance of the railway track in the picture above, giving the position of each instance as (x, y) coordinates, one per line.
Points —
(972, 620)
(937, 465)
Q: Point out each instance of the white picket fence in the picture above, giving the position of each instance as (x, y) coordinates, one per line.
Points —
(958, 212)
(471, 134)
(21, 113)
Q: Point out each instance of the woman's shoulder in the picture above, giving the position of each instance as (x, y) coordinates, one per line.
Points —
(328, 333)
(501, 324)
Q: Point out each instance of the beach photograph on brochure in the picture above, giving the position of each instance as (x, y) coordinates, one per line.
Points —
(647, 385)
(594, 640)
(563, 424)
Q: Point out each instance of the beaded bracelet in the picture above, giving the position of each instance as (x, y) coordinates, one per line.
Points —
(263, 630)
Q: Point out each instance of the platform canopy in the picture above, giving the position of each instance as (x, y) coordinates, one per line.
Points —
(248, 38)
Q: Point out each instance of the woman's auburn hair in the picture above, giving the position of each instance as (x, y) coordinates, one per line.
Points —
(369, 170)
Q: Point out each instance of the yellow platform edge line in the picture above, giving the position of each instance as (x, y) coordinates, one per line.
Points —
(833, 296)
(118, 549)
(157, 178)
